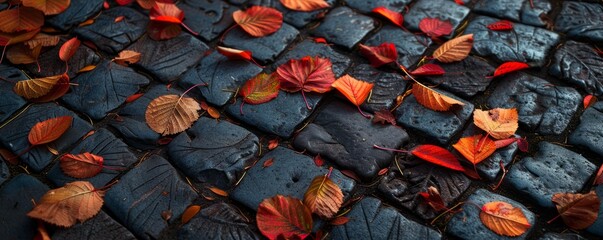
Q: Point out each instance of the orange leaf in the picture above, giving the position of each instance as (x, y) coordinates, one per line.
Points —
(68, 49)
(127, 57)
(395, 17)
(259, 21)
(500, 123)
(455, 49)
(235, 54)
(49, 130)
(589, 101)
(309, 74)
(578, 211)
(166, 19)
(268, 163)
(87, 69)
(43, 40)
(85, 165)
(504, 219)
(86, 23)
(354, 90)
(323, 197)
(272, 144)
(65, 206)
(213, 112)
(305, 5)
(380, 55)
(509, 67)
(190, 212)
(437, 155)
(434, 27)
(49, 7)
(475, 148)
(7, 39)
(284, 217)
(118, 19)
(218, 191)
(43, 89)
(260, 89)
(146, 4)
(339, 221)
(171, 114)
(20, 19)
(433, 100)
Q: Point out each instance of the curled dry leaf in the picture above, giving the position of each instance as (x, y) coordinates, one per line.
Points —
(43, 40)
(189, 213)
(213, 112)
(455, 49)
(309, 74)
(127, 57)
(235, 54)
(500, 123)
(434, 27)
(502, 25)
(259, 21)
(283, 216)
(504, 219)
(354, 90)
(37, 87)
(260, 89)
(20, 19)
(589, 101)
(433, 198)
(305, 5)
(509, 67)
(380, 55)
(475, 148)
(578, 211)
(437, 155)
(68, 49)
(384, 116)
(323, 197)
(49, 130)
(66, 205)
(433, 100)
(84, 165)
(429, 69)
(393, 16)
(171, 114)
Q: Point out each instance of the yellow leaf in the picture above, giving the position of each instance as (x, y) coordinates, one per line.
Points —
(35, 88)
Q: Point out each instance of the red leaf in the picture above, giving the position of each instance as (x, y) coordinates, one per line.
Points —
(504, 142)
(470, 172)
(339, 221)
(68, 49)
(509, 67)
(164, 141)
(502, 25)
(272, 144)
(429, 69)
(317, 160)
(395, 17)
(589, 101)
(268, 163)
(133, 97)
(20, 19)
(259, 21)
(320, 40)
(9, 156)
(260, 89)
(437, 155)
(166, 19)
(309, 74)
(380, 55)
(49, 130)
(522, 144)
(598, 177)
(235, 54)
(106, 5)
(384, 116)
(459, 2)
(85, 165)
(434, 27)
(123, 2)
(282, 216)
(383, 171)
(433, 199)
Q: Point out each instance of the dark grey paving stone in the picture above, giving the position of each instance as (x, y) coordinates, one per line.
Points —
(111, 36)
(77, 12)
(552, 170)
(51, 64)
(442, 9)
(597, 227)
(221, 75)
(410, 47)
(214, 152)
(296, 18)
(370, 219)
(218, 221)
(438, 126)
(14, 135)
(561, 236)
(418, 175)
(342, 135)
(264, 49)
(388, 85)
(523, 44)
(15, 203)
(579, 64)
(141, 195)
(272, 117)
(343, 26)
(100, 227)
(103, 89)
(168, 59)
(542, 107)
(116, 157)
(465, 78)
(589, 133)
(517, 11)
(209, 18)
(310, 48)
(290, 174)
(4, 171)
(581, 20)
(365, 6)
(11, 102)
(467, 225)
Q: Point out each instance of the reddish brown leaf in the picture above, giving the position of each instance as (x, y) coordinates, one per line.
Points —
(148, 4)
(7, 39)
(433, 100)
(285, 217)
(163, 30)
(350, 174)
(164, 141)
(383, 171)
(504, 142)
(319, 161)
(437, 155)
(434, 27)
(475, 148)
(429, 69)
(166, 215)
(320, 40)
(134, 97)
(433, 199)
(127, 57)
(380, 55)
(339, 221)
(509, 67)
(204, 105)
(20, 19)
(42, 233)
(578, 211)
(259, 21)
(504, 219)
(85, 165)
(68, 49)
(500, 123)
(272, 144)
(49, 130)
(309, 74)
(502, 25)
(235, 54)
(305, 5)
(268, 163)
(9, 156)
(189, 213)
(21, 54)
(171, 114)
(598, 177)
(384, 116)
(470, 172)
(455, 49)
(218, 191)
(57, 91)
(589, 101)
(323, 197)
(522, 144)
(49, 7)
(395, 17)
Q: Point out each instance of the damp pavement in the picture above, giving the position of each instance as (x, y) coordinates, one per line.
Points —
(167, 174)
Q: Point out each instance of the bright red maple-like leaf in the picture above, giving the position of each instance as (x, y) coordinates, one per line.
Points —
(433, 198)
(589, 101)
(509, 67)
(434, 27)
(395, 17)
(437, 155)
(502, 25)
(429, 69)
(380, 55)
(309, 74)
(259, 21)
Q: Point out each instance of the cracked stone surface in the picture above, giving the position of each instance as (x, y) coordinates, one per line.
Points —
(589, 133)
(579, 64)
(581, 20)
(517, 11)
(465, 78)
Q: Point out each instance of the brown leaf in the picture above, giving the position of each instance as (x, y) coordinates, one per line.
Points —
(43, 40)
(323, 197)
(455, 49)
(171, 114)
(190, 212)
(433, 100)
(21, 54)
(218, 191)
(49, 7)
(37, 87)
(500, 123)
(85, 165)
(504, 219)
(127, 57)
(9, 156)
(49, 130)
(339, 221)
(20, 19)
(384, 116)
(433, 199)
(87, 69)
(578, 211)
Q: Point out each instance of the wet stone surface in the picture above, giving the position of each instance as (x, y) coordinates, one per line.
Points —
(581, 20)
(410, 47)
(465, 78)
(77, 12)
(345, 137)
(100, 227)
(218, 221)
(209, 18)
(589, 133)
(4, 171)
(388, 85)
(264, 49)
(579, 64)
(542, 106)
(366, 6)
(369, 219)
(214, 152)
(15, 203)
(517, 11)
(597, 227)
(310, 48)
(523, 44)
(552, 170)
(344, 27)
(51, 64)
(296, 18)
(444, 10)
(11, 102)
(467, 225)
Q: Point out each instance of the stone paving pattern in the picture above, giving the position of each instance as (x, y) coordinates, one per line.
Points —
(161, 176)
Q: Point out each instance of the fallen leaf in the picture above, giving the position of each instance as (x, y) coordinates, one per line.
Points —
(455, 49)
(118, 19)
(148, 4)
(189, 213)
(598, 176)
(66, 205)
(305, 5)
(87, 69)
(167, 215)
(429, 69)
(475, 148)
(259, 21)
(385, 53)
(393, 16)
(384, 116)
(235, 54)
(354, 90)
(500, 123)
(317, 160)
(7, 39)
(43, 40)
(35, 88)
(434, 27)
(459, 2)
(320, 40)
(127, 57)
(589, 101)
(272, 144)
(20, 19)
(48, 7)
(437, 155)
(504, 142)
(68, 49)
(522, 144)
(433, 100)
(509, 67)
(49, 130)
(218, 191)
(282, 216)
(339, 221)
(504, 219)
(260, 89)
(433, 198)
(268, 163)
(502, 25)
(171, 114)
(42, 233)
(21, 54)
(86, 23)
(350, 174)
(309, 74)
(166, 19)
(383, 171)
(213, 112)
(578, 211)
(84, 165)
(57, 91)
(164, 141)
(323, 197)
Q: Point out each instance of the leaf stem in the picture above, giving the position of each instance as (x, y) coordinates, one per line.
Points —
(390, 149)
(502, 166)
(305, 100)
(189, 29)
(445, 212)
(553, 219)
(241, 107)
(227, 31)
(362, 113)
